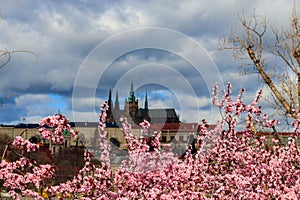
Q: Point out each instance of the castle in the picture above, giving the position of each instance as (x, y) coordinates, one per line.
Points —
(135, 114)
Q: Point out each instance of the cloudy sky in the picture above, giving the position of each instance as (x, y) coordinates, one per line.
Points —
(84, 48)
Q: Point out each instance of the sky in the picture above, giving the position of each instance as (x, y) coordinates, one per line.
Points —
(84, 48)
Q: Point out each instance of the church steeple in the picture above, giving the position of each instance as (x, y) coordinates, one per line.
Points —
(117, 104)
(131, 105)
(131, 97)
(146, 101)
(110, 108)
(109, 102)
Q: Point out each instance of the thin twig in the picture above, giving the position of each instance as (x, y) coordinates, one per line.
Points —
(7, 56)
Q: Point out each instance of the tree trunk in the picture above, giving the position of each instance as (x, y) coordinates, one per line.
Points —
(268, 81)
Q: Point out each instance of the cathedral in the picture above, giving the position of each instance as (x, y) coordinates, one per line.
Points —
(136, 114)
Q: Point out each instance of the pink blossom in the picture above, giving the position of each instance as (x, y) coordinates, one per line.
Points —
(20, 143)
(59, 123)
(228, 164)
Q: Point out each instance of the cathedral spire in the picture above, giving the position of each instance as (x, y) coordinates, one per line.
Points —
(131, 97)
(109, 101)
(146, 101)
(117, 104)
(110, 108)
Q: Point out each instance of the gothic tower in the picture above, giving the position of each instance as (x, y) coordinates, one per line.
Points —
(146, 117)
(110, 117)
(146, 101)
(117, 104)
(131, 104)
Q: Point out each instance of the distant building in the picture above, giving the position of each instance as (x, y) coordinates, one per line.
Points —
(135, 114)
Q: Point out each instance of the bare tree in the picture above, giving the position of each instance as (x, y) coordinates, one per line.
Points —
(273, 54)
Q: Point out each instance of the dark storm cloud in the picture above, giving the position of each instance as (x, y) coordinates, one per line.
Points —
(63, 33)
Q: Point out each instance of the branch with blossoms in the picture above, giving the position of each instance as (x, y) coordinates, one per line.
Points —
(234, 109)
(21, 144)
(132, 142)
(17, 175)
(104, 146)
(25, 177)
(91, 181)
(59, 123)
(296, 123)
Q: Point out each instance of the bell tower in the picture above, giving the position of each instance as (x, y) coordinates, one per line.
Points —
(131, 104)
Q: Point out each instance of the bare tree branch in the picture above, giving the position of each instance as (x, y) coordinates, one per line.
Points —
(6, 56)
(276, 59)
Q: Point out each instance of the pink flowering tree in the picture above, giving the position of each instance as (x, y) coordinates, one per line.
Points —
(91, 181)
(231, 162)
(239, 166)
(26, 177)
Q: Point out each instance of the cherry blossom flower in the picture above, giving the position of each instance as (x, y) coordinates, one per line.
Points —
(230, 163)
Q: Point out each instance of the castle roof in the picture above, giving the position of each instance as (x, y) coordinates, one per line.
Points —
(174, 127)
(162, 115)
